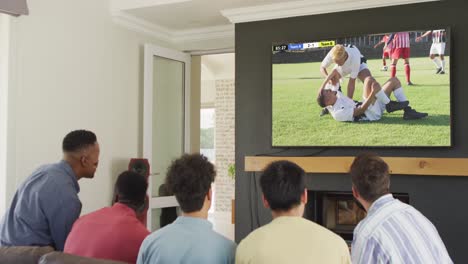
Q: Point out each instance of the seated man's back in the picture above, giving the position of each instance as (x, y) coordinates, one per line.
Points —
(113, 232)
(290, 239)
(46, 204)
(190, 239)
(187, 240)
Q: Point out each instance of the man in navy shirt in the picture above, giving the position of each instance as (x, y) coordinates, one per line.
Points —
(46, 204)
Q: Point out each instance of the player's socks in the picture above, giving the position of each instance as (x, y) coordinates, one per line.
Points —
(393, 70)
(443, 65)
(400, 95)
(407, 73)
(382, 97)
(436, 62)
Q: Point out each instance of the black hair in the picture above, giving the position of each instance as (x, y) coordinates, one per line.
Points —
(283, 183)
(321, 99)
(78, 140)
(370, 176)
(131, 189)
(189, 178)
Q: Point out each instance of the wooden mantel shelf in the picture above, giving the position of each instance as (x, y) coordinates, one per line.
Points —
(398, 165)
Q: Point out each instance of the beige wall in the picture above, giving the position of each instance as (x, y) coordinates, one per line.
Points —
(218, 91)
(4, 47)
(195, 98)
(74, 68)
(224, 142)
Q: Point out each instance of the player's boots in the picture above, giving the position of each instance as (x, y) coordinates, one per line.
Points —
(411, 114)
(393, 106)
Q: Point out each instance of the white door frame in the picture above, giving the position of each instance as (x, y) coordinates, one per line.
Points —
(149, 52)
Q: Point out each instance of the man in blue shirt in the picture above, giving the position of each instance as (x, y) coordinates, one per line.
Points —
(392, 231)
(46, 204)
(190, 239)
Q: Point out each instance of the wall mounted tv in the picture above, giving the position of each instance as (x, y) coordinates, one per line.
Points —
(404, 101)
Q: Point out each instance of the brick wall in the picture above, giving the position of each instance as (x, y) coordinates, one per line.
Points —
(224, 142)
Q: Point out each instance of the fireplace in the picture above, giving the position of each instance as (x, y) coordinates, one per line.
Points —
(338, 211)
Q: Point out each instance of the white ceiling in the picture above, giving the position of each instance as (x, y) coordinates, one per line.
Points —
(190, 24)
(196, 13)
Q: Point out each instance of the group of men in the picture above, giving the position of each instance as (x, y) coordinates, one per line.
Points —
(45, 211)
(391, 232)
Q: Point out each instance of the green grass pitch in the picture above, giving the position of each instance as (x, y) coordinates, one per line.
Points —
(296, 120)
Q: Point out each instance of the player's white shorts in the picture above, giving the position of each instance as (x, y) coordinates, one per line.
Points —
(438, 48)
(375, 111)
(363, 66)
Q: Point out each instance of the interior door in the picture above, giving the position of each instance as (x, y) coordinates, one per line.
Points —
(165, 124)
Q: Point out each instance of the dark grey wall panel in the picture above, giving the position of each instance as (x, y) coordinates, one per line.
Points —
(441, 199)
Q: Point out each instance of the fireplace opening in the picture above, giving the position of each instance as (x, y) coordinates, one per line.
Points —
(338, 211)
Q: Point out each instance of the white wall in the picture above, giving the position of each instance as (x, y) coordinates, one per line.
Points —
(74, 68)
(4, 47)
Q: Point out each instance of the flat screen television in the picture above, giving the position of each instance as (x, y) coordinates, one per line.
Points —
(414, 110)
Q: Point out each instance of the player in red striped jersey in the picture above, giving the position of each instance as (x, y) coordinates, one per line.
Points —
(400, 49)
(437, 48)
(385, 52)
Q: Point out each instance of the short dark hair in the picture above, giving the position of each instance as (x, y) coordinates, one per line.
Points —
(321, 99)
(283, 183)
(370, 176)
(131, 188)
(78, 140)
(189, 178)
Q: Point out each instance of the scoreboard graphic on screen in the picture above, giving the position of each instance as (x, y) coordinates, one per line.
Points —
(304, 46)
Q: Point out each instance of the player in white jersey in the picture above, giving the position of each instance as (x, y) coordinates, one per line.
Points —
(349, 61)
(376, 100)
(437, 48)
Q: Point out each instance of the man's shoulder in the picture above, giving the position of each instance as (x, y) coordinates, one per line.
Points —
(324, 233)
(300, 224)
(373, 224)
(49, 172)
(92, 216)
(42, 180)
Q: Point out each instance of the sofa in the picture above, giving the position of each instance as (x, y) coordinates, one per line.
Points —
(44, 255)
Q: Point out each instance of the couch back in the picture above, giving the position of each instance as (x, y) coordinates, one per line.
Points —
(23, 255)
(45, 255)
(63, 258)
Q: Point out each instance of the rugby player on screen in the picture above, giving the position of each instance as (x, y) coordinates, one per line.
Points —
(437, 48)
(400, 43)
(376, 100)
(349, 61)
(385, 51)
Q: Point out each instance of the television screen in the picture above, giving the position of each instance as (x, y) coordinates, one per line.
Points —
(376, 90)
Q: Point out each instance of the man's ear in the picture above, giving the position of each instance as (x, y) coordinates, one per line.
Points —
(265, 202)
(304, 196)
(209, 194)
(355, 192)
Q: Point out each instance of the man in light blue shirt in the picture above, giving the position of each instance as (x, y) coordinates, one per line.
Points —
(190, 239)
(392, 232)
(46, 204)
